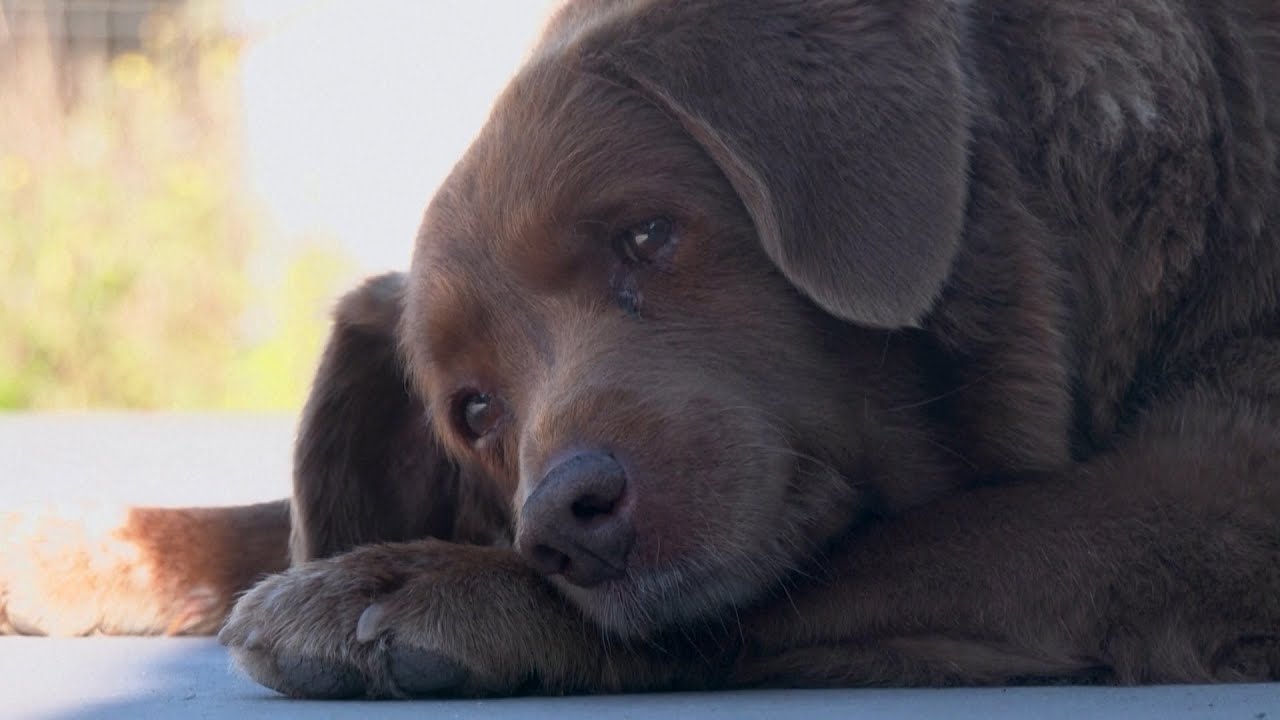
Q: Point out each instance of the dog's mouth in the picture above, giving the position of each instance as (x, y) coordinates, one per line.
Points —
(702, 506)
(645, 589)
(689, 574)
(638, 603)
(698, 567)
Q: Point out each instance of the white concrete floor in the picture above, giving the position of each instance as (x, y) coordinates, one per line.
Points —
(137, 679)
(182, 459)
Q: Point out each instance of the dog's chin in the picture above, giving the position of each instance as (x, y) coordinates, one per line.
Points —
(702, 588)
(747, 559)
(644, 603)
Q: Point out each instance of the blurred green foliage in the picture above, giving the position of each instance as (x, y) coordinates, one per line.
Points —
(127, 243)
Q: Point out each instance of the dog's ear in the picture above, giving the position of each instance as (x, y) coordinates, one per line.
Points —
(843, 128)
(367, 464)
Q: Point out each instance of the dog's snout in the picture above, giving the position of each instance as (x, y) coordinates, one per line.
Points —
(575, 523)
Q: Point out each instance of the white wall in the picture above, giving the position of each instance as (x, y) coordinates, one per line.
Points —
(355, 110)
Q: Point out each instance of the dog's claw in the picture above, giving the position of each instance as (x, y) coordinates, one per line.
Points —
(370, 622)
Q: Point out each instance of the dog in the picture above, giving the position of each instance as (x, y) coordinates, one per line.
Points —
(808, 344)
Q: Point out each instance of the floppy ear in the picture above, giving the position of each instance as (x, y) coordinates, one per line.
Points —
(842, 126)
(367, 464)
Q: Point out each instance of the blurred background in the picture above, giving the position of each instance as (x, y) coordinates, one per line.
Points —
(187, 185)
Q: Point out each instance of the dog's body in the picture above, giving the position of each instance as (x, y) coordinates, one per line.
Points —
(809, 343)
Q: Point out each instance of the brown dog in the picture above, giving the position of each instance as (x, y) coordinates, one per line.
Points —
(836, 342)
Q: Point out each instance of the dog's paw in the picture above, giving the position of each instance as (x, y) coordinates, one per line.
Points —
(405, 620)
(1254, 658)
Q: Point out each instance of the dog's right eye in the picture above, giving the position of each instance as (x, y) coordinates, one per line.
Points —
(641, 242)
(477, 414)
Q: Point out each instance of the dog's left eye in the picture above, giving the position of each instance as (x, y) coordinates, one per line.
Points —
(641, 242)
(476, 414)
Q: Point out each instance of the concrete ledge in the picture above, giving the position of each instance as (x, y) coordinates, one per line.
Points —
(136, 679)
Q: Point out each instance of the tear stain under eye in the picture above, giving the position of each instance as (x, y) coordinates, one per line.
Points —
(626, 293)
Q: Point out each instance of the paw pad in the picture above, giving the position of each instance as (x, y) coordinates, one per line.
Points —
(423, 672)
(316, 678)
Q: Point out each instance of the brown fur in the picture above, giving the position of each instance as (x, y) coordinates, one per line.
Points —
(962, 366)
(88, 569)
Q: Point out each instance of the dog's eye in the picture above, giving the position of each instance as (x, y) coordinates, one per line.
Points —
(640, 243)
(477, 414)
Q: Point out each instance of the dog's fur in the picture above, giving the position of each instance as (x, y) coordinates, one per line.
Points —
(962, 365)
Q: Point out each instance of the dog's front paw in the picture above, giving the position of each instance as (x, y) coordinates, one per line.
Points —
(406, 620)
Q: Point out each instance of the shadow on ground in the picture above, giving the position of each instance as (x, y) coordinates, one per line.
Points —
(140, 679)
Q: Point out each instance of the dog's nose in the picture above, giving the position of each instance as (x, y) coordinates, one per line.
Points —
(575, 524)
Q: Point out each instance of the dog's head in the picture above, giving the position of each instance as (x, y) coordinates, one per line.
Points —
(656, 301)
